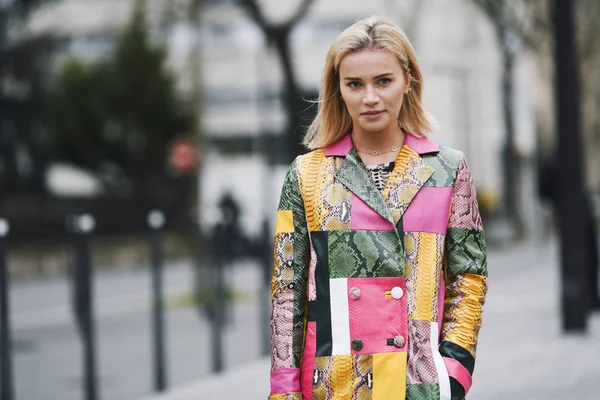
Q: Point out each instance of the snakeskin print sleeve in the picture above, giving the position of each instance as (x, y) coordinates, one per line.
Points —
(465, 278)
(291, 256)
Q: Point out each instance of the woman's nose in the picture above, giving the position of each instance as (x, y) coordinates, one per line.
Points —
(370, 96)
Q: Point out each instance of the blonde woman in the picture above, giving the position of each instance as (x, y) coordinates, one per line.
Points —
(379, 260)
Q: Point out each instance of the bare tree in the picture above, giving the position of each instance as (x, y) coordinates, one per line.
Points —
(517, 24)
(278, 35)
(537, 38)
(528, 23)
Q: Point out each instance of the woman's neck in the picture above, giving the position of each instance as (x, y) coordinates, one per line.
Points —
(386, 144)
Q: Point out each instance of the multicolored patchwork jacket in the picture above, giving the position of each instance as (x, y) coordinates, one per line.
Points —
(377, 295)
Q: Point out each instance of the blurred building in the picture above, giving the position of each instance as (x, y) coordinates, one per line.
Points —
(87, 28)
(240, 81)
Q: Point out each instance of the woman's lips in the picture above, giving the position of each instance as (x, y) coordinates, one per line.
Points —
(373, 114)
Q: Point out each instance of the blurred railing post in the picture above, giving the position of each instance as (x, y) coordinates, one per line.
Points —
(574, 257)
(6, 370)
(156, 222)
(83, 227)
(218, 298)
(265, 288)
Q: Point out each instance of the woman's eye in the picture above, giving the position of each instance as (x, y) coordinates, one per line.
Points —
(384, 81)
(354, 84)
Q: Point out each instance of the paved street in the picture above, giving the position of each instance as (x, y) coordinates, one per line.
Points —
(521, 354)
(47, 357)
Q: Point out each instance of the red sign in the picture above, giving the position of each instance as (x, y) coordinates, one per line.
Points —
(183, 155)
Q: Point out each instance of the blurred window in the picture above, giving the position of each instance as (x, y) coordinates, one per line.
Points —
(242, 35)
(90, 46)
(319, 31)
(229, 97)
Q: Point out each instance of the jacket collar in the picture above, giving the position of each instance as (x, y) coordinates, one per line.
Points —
(421, 146)
(409, 175)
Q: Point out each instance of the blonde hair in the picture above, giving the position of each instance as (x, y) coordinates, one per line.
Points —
(333, 120)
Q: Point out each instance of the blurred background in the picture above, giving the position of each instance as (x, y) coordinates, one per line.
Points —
(143, 144)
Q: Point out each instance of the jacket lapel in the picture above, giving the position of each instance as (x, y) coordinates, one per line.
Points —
(409, 175)
(354, 175)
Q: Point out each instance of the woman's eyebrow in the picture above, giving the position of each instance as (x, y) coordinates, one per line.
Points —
(385, 74)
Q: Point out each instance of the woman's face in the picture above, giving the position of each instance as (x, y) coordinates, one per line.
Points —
(373, 85)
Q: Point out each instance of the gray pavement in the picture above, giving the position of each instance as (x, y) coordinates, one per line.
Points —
(522, 353)
(48, 353)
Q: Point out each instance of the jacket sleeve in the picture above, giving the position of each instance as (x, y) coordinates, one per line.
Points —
(291, 257)
(466, 283)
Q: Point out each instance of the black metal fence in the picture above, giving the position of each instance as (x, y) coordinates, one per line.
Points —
(82, 229)
(43, 218)
(6, 371)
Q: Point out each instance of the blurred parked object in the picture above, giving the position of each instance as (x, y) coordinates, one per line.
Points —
(64, 180)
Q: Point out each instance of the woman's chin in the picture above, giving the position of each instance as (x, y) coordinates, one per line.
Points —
(376, 126)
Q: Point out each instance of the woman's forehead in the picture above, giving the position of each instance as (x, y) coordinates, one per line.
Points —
(369, 63)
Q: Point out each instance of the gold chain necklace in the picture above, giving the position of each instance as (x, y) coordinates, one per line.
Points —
(378, 153)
